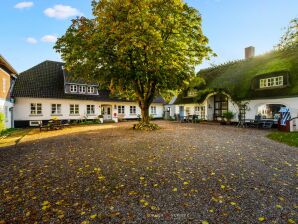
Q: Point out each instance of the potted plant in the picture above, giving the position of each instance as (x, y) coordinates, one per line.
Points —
(229, 115)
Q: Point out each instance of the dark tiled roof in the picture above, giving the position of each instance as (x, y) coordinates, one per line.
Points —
(185, 100)
(71, 79)
(46, 80)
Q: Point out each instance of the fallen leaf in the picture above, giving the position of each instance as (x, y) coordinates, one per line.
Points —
(93, 216)
(261, 219)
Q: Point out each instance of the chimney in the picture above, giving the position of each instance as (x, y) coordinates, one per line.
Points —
(249, 52)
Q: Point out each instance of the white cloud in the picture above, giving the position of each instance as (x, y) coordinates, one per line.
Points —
(49, 38)
(22, 5)
(31, 40)
(62, 12)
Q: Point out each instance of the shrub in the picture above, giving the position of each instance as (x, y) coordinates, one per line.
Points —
(228, 115)
(2, 122)
(146, 126)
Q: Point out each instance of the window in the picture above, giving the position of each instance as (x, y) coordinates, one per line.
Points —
(74, 109)
(36, 109)
(73, 88)
(132, 109)
(90, 89)
(90, 109)
(121, 109)
(187, 110)
(220, 106)
(203, 112)
(153, 109)
(82, 89)
(4, 85)
(197, 109)
(56, 109)
(272, 82)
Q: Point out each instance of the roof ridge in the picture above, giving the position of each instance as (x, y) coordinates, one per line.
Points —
(38, 65)
(231, 62)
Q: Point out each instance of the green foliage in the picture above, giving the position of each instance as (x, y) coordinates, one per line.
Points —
(143, 126)
(235, 78)
(136, 48)
(9, 131)
(2, 122)
(290, 38)
(289, 138)
(228, 115)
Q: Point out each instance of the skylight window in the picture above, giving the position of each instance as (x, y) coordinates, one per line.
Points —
(272, 82)
(73, 88)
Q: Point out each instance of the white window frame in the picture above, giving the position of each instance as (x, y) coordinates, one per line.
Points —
(56, 109)
(74, 109)
(4, 85)
(73, 88)
(153, 109)
(36, 109)
(132, 109)
(82, 89)
(272, 82)
(121, 109)
(90, 89)
(90, 109)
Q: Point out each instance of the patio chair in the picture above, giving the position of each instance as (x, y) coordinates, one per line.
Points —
(195, 118)
(267, 124)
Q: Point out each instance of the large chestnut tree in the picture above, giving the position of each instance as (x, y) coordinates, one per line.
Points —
(136, 47)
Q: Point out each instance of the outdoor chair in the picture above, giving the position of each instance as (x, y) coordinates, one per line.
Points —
(195, 118)
(267, 124)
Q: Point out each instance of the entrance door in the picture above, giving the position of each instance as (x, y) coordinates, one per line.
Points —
(220, 106)
(107, 112)
(181, 111)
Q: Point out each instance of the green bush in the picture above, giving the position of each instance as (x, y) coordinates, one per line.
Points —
(228, 115)
(145, 126)
(2, 122)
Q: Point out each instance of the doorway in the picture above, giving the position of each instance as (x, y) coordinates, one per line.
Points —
(107, 112)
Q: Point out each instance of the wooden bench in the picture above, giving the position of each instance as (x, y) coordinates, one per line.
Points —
(52, 125)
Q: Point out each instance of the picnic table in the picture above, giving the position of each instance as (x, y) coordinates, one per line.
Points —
(52, 125)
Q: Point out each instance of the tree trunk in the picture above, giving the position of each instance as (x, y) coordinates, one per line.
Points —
(145, 111)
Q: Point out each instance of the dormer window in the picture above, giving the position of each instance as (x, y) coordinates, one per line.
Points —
(82, 89)
(73, 88)
(272, 82)
(90, 89)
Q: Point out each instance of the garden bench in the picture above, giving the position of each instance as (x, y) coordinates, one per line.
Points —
(53, 125)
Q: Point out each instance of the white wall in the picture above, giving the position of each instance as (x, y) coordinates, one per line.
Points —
(5, 109)
(209, 107)
(291, 103)
(22, 109)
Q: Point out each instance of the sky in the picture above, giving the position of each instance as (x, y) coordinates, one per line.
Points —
(30, 28)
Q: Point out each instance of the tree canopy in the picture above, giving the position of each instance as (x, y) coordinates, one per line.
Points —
(136, 47)
(290, 37)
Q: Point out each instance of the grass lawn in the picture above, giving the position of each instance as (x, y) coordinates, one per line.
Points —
(290, 138)
(12, 136)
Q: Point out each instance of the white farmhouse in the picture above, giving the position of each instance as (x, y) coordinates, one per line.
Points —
(256, 86)
(47, 90)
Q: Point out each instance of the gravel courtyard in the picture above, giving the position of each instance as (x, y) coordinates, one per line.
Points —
(183, 173)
